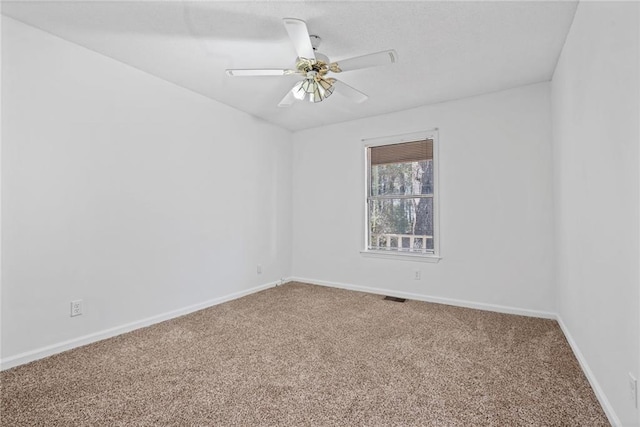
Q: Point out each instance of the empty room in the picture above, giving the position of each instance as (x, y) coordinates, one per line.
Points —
(322, 213)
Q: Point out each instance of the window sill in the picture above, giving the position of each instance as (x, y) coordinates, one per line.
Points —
(401, 256)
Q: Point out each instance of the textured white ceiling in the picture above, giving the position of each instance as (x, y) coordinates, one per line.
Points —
(447, 50)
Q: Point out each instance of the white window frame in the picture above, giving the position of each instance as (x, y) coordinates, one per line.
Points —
(397, 139)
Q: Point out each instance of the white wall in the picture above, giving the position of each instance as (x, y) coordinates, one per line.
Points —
(0, 185)
(496, 202)
(595, 129)
(128, 192)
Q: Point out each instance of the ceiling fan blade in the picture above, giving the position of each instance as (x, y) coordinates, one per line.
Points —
(299, 35)
(288, 100)
(371, 60)
(345, 90)
(258, 72)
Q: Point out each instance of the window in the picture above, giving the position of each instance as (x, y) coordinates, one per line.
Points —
(401, 197)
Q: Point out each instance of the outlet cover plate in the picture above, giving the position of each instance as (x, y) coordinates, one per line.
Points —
(76, 308)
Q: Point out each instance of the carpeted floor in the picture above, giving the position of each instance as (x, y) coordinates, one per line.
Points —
(308, 355)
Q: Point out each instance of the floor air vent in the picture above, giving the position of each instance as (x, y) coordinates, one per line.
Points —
(395, 299)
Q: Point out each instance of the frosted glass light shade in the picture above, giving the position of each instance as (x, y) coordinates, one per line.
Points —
(314, 90)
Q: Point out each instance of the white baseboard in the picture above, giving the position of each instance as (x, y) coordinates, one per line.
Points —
(50, 350)
(602, 398)
(29, 356)
(428, 298)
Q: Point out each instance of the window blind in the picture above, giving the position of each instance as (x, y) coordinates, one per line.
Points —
(401, 153)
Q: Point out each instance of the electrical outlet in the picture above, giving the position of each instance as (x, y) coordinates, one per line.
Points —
(259, 269)
(633, 389)
(76, 308)
(416, 275)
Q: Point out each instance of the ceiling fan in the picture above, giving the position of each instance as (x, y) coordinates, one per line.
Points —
(315, 66)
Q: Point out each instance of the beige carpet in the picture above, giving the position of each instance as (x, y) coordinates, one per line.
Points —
(308, 355)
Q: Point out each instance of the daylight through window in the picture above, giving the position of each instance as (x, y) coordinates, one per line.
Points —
(400, 197)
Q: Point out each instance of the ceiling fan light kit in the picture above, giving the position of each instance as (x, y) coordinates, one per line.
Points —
(314, 67)
(312, 88)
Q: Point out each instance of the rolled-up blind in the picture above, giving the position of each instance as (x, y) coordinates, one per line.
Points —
(404, 152)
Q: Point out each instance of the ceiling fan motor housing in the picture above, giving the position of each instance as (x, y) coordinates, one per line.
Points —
(321, 57)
